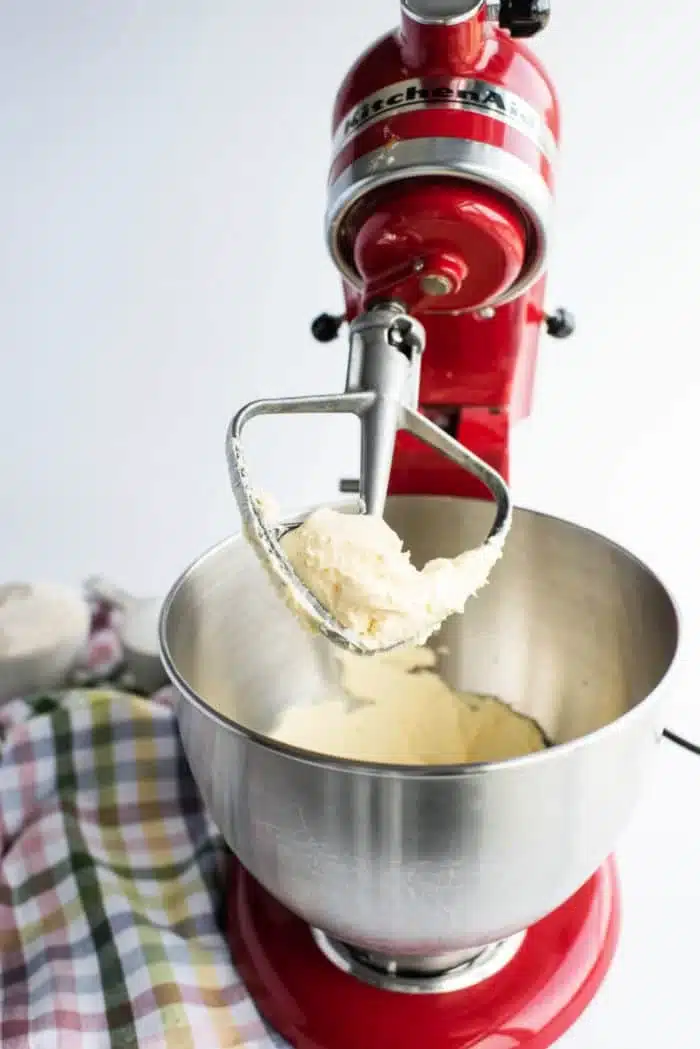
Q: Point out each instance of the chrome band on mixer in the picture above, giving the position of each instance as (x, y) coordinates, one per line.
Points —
(450, 157)
(466, 95)
(441, 12)
(394, 975)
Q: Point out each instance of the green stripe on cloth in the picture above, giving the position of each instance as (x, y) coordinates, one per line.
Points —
(118, 1010)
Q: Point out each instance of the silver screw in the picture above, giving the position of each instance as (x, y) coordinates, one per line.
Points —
(436, 284)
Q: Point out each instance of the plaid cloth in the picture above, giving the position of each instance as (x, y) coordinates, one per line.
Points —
(111, 878)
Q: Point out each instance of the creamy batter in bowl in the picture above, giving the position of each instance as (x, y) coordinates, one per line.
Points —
(395, 709)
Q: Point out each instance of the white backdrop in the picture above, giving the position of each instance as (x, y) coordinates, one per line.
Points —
(162, 172)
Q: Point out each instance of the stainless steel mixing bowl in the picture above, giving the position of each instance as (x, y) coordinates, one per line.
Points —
(425, 863)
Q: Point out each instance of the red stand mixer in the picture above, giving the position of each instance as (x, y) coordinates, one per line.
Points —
(445, 137)
(451, 908)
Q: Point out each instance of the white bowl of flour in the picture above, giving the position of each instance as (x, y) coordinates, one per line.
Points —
(43, 628)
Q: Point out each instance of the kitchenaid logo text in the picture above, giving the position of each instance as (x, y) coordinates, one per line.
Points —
(475, 96)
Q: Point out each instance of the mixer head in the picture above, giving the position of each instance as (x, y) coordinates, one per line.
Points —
(381, 389)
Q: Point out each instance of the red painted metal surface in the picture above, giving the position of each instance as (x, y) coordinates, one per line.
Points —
(527, 1005)
(452, 47)
(497, 59)
(469, 235)
(482, 385)
(477, 372)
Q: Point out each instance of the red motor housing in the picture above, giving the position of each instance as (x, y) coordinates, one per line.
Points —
(440, 194)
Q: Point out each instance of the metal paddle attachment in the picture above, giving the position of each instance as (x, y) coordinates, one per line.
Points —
(381, 389)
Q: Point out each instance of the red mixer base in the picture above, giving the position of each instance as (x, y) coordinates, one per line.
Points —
(529, 1004)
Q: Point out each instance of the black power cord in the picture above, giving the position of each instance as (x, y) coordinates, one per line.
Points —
(680, 742)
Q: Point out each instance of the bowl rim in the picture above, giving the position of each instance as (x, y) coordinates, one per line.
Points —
(557, 752)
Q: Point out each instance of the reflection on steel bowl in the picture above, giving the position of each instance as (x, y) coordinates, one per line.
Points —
(572, 631)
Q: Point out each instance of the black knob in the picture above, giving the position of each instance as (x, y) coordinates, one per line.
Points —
(523, 18)
(326, 327)
(561, 324)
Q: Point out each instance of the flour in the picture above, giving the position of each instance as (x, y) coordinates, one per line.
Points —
(395, 709)
(36, 618)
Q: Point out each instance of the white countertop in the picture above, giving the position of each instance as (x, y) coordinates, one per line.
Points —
(651, 992)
